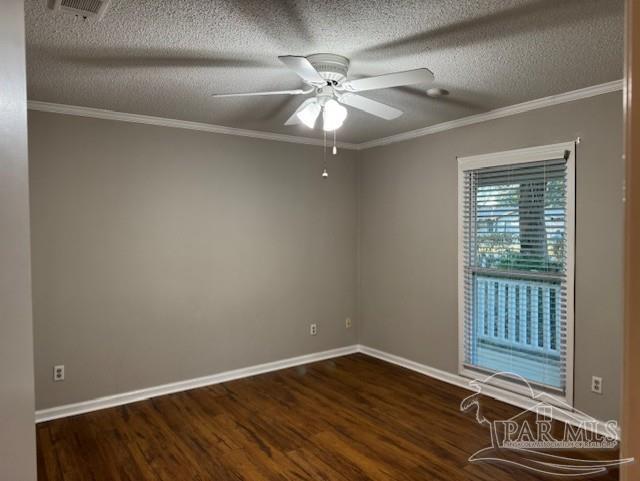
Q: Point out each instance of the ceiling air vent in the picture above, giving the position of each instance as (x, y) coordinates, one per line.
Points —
(87, 9)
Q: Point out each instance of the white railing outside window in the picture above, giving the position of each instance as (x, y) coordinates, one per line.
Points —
(517, 323)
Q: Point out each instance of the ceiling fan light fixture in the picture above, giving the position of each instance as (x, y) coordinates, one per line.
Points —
(333, 115)
(309, 114)
(326, 74)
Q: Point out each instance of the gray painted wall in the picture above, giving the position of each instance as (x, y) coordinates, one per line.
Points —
(163, 254)
(408, 239)
(17, 432)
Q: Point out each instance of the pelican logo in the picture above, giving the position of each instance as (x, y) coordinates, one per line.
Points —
(523, 439)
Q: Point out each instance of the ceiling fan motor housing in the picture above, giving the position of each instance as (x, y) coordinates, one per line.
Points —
(330, 66)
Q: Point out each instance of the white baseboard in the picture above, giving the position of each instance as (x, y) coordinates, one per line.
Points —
(142, 394)
(575, 418)
(570, 417)
(416, 366)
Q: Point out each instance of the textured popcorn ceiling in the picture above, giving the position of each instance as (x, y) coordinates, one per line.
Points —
(163, 57)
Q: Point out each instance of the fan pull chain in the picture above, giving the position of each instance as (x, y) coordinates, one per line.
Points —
(335, 149)
(325, 174)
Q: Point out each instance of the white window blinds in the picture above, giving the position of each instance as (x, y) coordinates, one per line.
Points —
(517, 260)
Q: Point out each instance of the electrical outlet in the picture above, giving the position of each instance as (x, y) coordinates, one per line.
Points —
(58, 373)
(348, 323)
(596, 384)
(313, 329)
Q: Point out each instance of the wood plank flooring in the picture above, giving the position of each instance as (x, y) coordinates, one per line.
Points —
(351, 418)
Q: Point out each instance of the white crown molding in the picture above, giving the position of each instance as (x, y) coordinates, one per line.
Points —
(178, 124)
(583, 93)
(575, 418)
(499, 113)
(142, 394)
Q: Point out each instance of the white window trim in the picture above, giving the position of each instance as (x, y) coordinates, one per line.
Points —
(531, 154)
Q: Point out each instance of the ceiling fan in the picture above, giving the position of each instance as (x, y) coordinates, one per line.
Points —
(325, 75)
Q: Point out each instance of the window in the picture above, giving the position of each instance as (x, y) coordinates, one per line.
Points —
(516, 236)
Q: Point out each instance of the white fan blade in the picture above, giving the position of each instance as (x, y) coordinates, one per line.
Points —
(294, 119)
(410, 77)
(304, 69)
(369, 106)
(274, 92)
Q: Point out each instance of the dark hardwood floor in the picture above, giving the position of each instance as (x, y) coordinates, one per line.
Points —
(351, 418)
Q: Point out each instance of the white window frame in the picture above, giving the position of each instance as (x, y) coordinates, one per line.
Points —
(531, 154)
